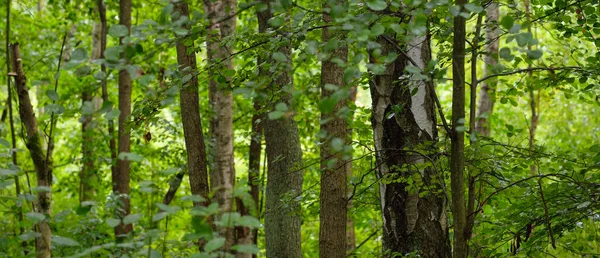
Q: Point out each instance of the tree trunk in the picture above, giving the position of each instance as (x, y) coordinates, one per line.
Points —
(457, 158)
(38, 156)
(488, 87)
(88, 177)
(121, 179)
(222, 177)
(334, 162)
(246, 235)
(190, 115)
(284, 158)
(412, 223)
(111, 126)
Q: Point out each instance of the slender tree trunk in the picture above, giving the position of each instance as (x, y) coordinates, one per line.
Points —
(457, 158)
(411, 223)
(334, 166)
(38, 156)
(88, 177)
(190, 114)
(12, 125)
(222, 177)
(246, 235)
(488, 87)
(121, 179)
(284, 155)
(112, 145)
(350, 232)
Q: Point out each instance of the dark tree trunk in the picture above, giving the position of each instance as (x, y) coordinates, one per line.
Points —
(121, 179)
(334, 163)
(404, 129)
(190, 116)
(457, 136)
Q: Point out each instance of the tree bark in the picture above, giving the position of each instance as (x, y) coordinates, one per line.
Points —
(38, 156)
(88, 177)
(488, 87)
(112, 145)
(284, 162)
(222, 177)
(412, 223)
(122, 178)
(334, 163)
(457, 158)
(190, 115)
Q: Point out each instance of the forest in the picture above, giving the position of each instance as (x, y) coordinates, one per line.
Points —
(300, 128)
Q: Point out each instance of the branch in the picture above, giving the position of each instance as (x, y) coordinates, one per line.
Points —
(527, 70)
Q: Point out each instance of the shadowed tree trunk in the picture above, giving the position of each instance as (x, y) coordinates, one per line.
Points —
(284, 158)
(222, 177)
(190, 113)
(457, 136)
(334, 153)
(121, 179)
(488, 87)
(38, 156)
(404, 131)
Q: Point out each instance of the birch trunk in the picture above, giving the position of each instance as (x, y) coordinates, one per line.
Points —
(403, 138)
(222, 177)
(488, 87)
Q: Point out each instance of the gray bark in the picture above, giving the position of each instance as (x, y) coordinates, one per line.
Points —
(488, 87)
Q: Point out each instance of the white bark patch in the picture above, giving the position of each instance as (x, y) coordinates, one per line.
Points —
(415, 50)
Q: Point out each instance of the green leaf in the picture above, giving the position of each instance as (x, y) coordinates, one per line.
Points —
(41, 189)
(473, 8)
(167, 208)
(276, 21)
(534, 54)
(130, 156)
(281, 106)
(377, 5)
(193, 198)
(131, 218)
(507, 22)
(114, 113)
(79, 55)
(7, 172)
(29, 236)
(377, 29)
(247, 248)
(113, 53)
(63, 241)
(159, 216)
(35, 216)
(280, 57)
(4, 143)
(337, 144)
(275, 115)
(118, 30)
(214, 244)
(505, 54)
(145, 80)
(248, 221)
(112, 222)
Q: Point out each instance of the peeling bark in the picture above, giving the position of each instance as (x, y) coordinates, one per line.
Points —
(404, 130)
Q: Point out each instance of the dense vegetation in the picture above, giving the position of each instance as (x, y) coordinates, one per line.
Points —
(283, 128)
